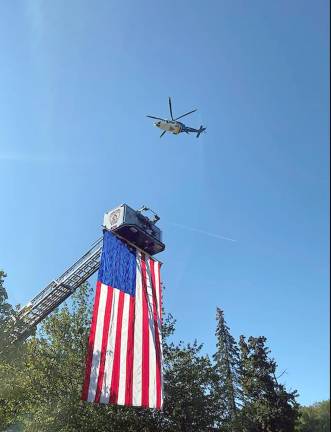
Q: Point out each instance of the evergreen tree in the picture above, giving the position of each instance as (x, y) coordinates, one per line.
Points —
(267, 406)
(226, 364)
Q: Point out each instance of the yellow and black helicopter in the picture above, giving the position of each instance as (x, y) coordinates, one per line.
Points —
(173, 125)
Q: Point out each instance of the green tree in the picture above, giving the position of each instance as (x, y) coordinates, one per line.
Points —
(11, 359)
(315, 418)
(267, 405)
(7, 315)
(9, 324)
(190, 404)
(227, 368)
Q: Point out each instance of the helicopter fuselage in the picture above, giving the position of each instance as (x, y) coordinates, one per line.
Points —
(170, 126)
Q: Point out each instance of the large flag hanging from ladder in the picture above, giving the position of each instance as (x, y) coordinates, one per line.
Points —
(124, 356)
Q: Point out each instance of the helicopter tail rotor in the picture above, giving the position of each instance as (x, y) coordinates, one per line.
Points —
(201, 129)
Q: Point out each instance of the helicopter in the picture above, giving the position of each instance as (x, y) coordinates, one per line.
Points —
(173, 125)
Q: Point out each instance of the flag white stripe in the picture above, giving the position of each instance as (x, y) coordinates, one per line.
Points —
(123, 352)
(157, 282)
(137, 352)
(105, 391)
(159, 307)
(152, 345)
(97, 343)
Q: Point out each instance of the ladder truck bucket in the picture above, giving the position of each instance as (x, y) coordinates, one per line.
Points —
(136, 228)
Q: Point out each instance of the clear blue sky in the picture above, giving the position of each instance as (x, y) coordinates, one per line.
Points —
(76, 81)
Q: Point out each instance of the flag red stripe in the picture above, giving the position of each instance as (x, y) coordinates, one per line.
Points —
(157, 337)
(104, 342)
(116, 365)
(145, 337)
(129, 354)
(89, 356)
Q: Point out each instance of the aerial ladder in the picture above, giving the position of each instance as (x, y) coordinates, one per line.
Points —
(131, 226)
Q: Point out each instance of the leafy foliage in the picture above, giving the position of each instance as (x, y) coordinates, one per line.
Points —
(11, 358)
(190, 379)
(315, 418)
(7, 314)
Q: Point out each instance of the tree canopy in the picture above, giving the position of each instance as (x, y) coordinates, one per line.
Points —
(236, 390)
(315, 418)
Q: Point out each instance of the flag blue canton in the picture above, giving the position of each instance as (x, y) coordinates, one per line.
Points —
(118, 265)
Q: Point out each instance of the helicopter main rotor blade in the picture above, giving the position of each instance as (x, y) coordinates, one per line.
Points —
(156, 118)
(162, 134)
(185, 114)
(170, 107)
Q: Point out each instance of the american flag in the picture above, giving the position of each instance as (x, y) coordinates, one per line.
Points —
(124, 356)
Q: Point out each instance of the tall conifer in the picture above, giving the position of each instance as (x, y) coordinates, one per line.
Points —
(227, 363)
